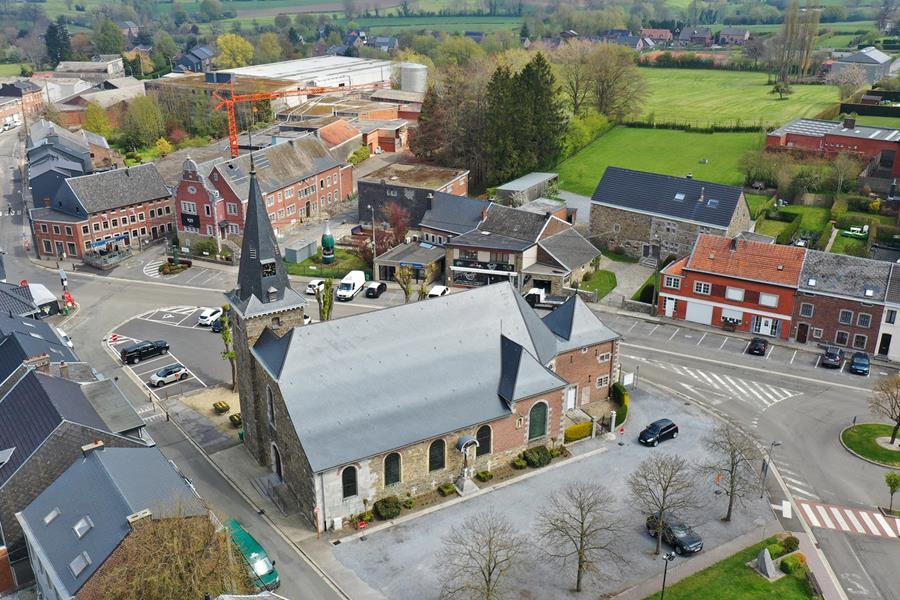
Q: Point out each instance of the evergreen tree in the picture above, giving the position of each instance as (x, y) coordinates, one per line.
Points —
(503, 144)
(59, 46)
(431, 135)
(108, 37)
(542, 122)
(525, 34)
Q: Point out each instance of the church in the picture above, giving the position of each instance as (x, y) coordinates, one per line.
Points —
(394, 402)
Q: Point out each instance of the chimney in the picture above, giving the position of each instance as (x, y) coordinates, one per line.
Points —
(63, 370)
(733, 244)
(138, 516)
(702, 194)
(87, 449)
(428, 200)
(41, 362)
(849, 123)
(690, 176)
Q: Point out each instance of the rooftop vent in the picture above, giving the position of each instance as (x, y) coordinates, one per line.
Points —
(485, 233)
(811, 282)
(733, 244)
(88, 448)
(135, 517)
(850, 123)
(690, 175)
(679, 197)
(869, 292)
(712, 256)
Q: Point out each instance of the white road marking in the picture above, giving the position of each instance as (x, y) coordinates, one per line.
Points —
(868, 521)
(836, 513)
(810, 515)
(793, 357)
(674, 333)
(825, 518)
(803, 492)
(654, 329)
(883, 522)
(633, 326)
(853, 520)
(701, 338)
(771, 350)
(723, 343)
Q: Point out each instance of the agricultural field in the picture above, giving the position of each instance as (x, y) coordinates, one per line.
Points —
(448, 24)
(10, 69)
(660, 151)
(706, 96)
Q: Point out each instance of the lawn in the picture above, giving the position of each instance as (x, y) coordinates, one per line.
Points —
(10, 69)
(864, 217)
(846, 245)
(602, 282)
(814, 217)
(755, 203)
(889, 122)
(665, 151)
(771, 227)
(618, 257)
(707, 96)
(732, 579)
(861, 439)
(345, 261)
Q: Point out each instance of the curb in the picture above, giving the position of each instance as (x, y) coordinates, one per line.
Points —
(857, 454)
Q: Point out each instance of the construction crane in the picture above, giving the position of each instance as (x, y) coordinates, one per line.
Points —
(233, 99)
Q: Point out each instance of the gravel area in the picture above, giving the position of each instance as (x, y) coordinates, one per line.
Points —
(400, 562)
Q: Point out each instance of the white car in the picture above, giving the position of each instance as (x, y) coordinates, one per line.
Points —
(437, 291)
(65, 338)
(307, 319)
(315, 284)
(169, 374)
(208, 316)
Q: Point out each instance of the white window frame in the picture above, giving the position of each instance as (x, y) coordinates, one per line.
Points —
(605, 357)
(189, 207)
(231, 208)
(734, 294)
(849, 320)
(859, 317)
(270, 200)
(812, 309)
(673, 282)
(762, 300)
(602, 382)
(817, 333)
(839, 332)
(865, 339)
(703, 288)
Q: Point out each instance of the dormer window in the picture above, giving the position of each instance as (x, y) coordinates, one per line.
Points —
(272, 294)
(267, 265)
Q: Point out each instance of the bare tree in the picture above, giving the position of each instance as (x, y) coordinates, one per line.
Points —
(578, 526)
(228, 353)
(573, 66)
(885, 402)
(477, 556)
(663, 485)
(731, 463)
(619, 88)
(325, 298)
(848, 79)
(846, 167)
(403, 275)
(423, 284)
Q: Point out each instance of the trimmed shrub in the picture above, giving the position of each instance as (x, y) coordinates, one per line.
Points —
(221, 407)
(448, 489)
(387, 508)
(537, 457)
(579, 431)
(776, 550)
(518, 463)
(409, 504)
(621, 414)
(556, 452)
(619, 394)
(790, 544)
(359, 155)
(484, 475)
(236, 420)
(793, 564)
(367, 516)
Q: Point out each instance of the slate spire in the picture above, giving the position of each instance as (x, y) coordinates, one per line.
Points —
(261, 273)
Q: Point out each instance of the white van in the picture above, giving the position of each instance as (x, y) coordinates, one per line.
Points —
(351, 285)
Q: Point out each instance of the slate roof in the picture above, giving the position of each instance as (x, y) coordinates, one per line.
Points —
(893, 290)
(40, 130)
(454, 214)
(416, 253)
(851, 276)
(688, 33)
(755, 261)
(526, 182)
(17, 300)
(448, 352)
(570, 248)
(667, 196)
(869, 56)
(521, 375)
(513, 223)
(575, 326)
(56, 163)
(17, 347)
(116, 188)
(107, 486)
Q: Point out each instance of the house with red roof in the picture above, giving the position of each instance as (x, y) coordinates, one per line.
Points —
(734, 283)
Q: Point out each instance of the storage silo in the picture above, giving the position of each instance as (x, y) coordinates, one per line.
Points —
(413, 77)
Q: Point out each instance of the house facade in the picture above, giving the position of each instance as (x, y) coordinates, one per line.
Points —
(735, 284)
(734, 36)
(660, 37)
(651, 216)
(700, 36)
(30, 94)
(889, 329)
(840, 301)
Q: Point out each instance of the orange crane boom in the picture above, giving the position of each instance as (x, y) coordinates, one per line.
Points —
(230, 102)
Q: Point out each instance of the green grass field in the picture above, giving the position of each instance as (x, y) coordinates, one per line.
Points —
(861, 439)
(704, 96)
(10, 69)
(732, 579)
(846, 245)
(602, 282)
(755, 202)
(665, 151)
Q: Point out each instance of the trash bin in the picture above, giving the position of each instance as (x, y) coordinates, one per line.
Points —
(241, 435)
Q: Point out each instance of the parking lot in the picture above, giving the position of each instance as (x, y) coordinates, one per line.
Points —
(195, 347)
(720, 345)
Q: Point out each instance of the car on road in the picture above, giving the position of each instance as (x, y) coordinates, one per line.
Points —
(209, 316)
(859, 363)
(262, 570)
(135, 353)
(65, 338)
(217, 325)
(758, 346)
(833, 357)
(315, 284)
(374, 289)
(657, 431)
(169, 374)
(676, 533)
(437, 291)
(350, 285)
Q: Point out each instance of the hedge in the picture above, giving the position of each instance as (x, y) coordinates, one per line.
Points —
(619, 394)
(621, 414)
(822, 242)
(578, 431)
(484, 476)
(447, 489)
(387, 508)
(888, 233)
(537, 457)
(793, 220)
(793, 564)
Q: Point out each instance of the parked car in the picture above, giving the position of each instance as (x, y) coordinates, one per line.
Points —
(315, 284)
(169, 374)
(208, 316)
(657, 431)
(374, 289)
(859, 363)
(833, 357)
(217, 325)
(65, 338)
(351, 285)
(758, 346)
(437, 291)
(307, 319)
(262, 570)
(675, 533)
(135, 353)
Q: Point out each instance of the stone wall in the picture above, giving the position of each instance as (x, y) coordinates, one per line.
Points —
(740, 221)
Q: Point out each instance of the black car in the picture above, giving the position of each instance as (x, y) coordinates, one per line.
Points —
(217, 326)
(142, 350)
(758, 346)
(375, 289)
(833, 357)
(658, 431)
(675, 533)
(859, 363)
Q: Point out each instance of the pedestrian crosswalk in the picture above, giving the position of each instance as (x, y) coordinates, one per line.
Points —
(849, 520)
(728, 386)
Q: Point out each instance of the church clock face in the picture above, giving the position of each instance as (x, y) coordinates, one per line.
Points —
(192, 189)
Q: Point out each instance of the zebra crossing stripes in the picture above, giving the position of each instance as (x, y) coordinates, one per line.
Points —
(151, 269)
(849, 520)
(744, 390)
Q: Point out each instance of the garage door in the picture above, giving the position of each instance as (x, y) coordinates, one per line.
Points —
(699, 313)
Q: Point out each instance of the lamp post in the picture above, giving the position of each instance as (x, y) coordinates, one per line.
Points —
(668, 557)
(374, 244)
(765, 466)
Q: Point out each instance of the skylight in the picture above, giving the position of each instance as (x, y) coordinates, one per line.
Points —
(869, 292)
(812, 282)
(51, 516)
(79, 564)
(712, 203)
(679, 197)
(5, 455)
(83, 525)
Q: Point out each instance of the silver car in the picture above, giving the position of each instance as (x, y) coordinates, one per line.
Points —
(169, 374)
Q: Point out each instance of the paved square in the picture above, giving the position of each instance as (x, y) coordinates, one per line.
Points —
(400, 562)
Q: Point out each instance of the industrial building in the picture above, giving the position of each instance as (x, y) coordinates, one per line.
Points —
(323, 71)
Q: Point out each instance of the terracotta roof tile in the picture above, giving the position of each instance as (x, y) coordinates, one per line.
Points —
(335, 134)
(756, 261)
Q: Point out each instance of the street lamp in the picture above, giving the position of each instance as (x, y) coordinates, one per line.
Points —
(765, 466)
(668, 557)
(374, 245)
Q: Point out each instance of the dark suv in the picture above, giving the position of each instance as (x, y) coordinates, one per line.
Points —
(675, 533)
(142, 350)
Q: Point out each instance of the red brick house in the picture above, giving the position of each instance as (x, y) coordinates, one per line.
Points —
(734, 283)
(103, 212)
(840, 300)
(31, 95)
(298, 178)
